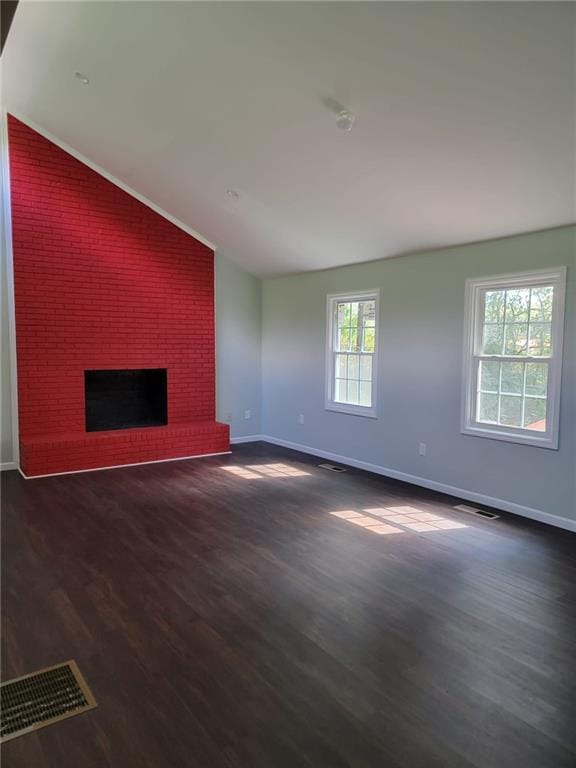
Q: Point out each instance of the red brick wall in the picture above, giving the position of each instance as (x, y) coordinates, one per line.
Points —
(101, 281)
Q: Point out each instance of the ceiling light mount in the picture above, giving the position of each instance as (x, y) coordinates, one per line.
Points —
(344, 117)
(345, 120)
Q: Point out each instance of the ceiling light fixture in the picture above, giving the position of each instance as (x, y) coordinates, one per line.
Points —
(345, 120)
(233, 194)
(83, 79)
(344, 117)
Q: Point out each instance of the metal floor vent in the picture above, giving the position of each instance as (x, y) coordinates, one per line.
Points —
(332, 467)
(475, 511)
(43, 698)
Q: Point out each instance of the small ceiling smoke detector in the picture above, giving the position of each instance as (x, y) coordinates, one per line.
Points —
(82, 78)
(233, 194)
(345, 120)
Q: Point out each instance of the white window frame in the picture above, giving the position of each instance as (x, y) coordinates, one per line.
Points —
(330, 403)
(473, 326)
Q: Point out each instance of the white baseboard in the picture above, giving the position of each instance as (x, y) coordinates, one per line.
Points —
(461, 493)
(122, 466)
(6, 465)
(247, 439)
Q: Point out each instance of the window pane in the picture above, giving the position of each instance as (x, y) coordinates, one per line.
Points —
(343, 341)
(353, 367)
(540, 339)
(340, 391)
(366, 367)
(510, 410)
(369, 338)
(512, 378)
(365, 394)
(517, 302)
(369, 314)
(353, 339)
(516, 339)
(341, 366)
(535, 414)
(343, 314)
(536, 378)
(488, 408)
(366, 321)
(493, 339)
(354, 305)
(541, 303)
(352, 392)
(489, 376)
(494, 306)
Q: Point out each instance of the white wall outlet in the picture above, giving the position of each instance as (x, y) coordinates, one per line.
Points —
(422, 449)
(301, 419)
(247, 414)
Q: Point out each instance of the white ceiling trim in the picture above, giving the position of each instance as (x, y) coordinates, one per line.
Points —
(108, 176)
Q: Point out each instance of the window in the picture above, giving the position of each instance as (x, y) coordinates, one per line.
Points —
(351, 363)
(513, 357)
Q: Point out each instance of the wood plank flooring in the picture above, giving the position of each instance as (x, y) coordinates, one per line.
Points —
(224, 618)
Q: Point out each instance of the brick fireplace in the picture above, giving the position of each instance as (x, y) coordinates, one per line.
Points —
(105, 284)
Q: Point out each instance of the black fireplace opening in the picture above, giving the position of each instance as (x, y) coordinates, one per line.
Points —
(125, 399)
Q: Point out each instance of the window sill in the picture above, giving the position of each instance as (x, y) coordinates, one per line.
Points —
(546, 441)
(351, 410)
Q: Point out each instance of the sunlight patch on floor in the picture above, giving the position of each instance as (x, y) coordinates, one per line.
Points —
(384, 520)
(415, 519)
(261, 471)
(277, 470)
(368, 523)
(346, 514)
(242, 472)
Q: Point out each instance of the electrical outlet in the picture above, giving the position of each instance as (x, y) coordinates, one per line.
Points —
(247, 414)
(422, 449)
(301, 419)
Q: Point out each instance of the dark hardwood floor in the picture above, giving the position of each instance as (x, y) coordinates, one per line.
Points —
(226, 618)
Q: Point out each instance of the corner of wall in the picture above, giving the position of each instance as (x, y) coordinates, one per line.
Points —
(8, 390)
(238, 348)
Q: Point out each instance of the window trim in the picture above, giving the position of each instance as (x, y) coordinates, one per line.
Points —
(472, 328)
(329, 403)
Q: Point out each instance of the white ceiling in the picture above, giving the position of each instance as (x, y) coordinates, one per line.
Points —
(464, 131)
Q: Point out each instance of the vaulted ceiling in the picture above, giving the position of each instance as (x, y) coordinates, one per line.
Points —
(464, 117)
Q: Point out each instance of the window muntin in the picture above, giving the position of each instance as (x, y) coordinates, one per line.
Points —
(352, 352)
(514, 357)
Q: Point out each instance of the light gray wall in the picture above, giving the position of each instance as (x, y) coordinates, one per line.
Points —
(419, 381)
(238, 348)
